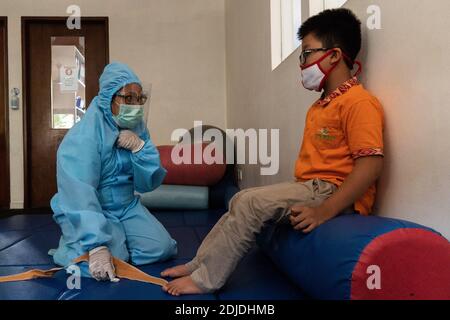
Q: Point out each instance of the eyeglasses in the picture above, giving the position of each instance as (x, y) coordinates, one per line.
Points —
(131, 98)
(305, 54)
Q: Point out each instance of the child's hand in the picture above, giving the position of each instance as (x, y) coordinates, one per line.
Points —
(307, 219)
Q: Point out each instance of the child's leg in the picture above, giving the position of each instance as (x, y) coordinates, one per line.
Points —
(188, 268)
(236, 232)
(208, 241)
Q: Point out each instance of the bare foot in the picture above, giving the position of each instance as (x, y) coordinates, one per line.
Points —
(180, 286)
(176, 272)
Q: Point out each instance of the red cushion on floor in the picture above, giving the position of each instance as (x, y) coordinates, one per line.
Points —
(413, 264)
(191, 174)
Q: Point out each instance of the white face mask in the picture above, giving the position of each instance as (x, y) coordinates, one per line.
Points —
(313, 77)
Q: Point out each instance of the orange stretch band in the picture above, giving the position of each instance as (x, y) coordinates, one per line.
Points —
(123, 271)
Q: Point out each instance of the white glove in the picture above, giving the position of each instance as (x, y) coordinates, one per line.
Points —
(130, 140)
(101, 265)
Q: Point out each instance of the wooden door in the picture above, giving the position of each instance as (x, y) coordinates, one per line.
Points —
(61, 69)
(4, 118)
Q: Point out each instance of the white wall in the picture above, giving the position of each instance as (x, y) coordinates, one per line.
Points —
(177, 45)
(406, 66)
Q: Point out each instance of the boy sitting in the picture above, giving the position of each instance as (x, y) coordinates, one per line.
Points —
(340, 159)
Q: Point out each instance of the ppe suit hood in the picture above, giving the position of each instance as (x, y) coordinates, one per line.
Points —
(115, 76)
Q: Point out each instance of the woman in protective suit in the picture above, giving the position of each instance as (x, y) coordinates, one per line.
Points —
(102, 161)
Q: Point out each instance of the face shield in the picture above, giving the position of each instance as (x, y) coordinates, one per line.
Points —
(131, 105)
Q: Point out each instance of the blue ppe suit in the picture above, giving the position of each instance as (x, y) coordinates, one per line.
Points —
(96, 204)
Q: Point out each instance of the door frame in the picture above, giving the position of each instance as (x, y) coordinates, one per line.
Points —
(4, 20)
(26, 131)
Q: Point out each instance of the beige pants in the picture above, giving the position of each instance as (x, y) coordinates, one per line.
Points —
(235, 233)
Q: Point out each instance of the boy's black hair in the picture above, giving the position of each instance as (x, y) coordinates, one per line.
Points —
(335, 28)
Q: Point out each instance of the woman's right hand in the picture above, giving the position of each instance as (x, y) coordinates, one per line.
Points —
(101, 265)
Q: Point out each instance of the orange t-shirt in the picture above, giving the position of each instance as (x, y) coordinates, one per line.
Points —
(346, 125)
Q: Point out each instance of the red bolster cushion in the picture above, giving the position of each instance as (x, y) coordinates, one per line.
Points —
(191, 174)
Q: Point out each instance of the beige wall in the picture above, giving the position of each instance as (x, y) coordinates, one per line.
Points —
(177, 45)
(406, 66)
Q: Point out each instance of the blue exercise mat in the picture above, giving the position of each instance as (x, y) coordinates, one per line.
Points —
(26, 239)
